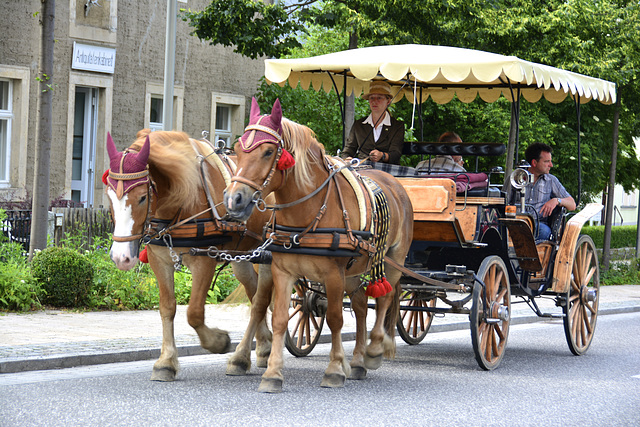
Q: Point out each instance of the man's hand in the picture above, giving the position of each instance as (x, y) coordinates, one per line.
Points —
(548, 207)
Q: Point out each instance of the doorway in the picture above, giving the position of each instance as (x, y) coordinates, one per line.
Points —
(85, 124)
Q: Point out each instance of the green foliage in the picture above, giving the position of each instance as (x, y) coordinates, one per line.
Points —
(114, 289)
(225, 283)
(253, 28)
(65, 275)
(622, 273)
(18, 289)
(622, 236)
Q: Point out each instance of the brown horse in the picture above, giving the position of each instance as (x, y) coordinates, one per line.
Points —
(156, 189)
(320, 231)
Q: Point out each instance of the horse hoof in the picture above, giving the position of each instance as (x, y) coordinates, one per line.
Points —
(332, 380)
(261, 362)
(163, 374)
(358, 373)
(237, 369)
(270, 385)
(372, 362)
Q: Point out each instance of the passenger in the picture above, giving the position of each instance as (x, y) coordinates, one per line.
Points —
(378, 137)
(547, 192)
(441, 162)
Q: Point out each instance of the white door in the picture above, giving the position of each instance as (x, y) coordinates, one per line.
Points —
(85, 125)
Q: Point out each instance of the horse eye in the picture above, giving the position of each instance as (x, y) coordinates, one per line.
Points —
(269, 152)
(142, 199)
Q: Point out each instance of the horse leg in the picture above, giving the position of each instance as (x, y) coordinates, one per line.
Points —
(359, 306)
(167, 366)
(272, 378)
(382, 341)
(202, 271)
(240, 362)
(338, 369)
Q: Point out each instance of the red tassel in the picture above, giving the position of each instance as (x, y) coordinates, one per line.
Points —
(379, 288)
(144, 256)
(286, 160)
(104, 177)
(386, 285)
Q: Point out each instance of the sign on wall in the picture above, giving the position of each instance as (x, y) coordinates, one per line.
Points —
(93, 58)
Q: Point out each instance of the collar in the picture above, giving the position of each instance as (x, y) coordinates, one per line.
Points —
(386, 120)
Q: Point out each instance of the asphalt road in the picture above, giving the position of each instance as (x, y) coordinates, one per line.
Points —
(438, 382)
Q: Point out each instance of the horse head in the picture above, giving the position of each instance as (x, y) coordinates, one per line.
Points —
(259, 154)
(129, 190)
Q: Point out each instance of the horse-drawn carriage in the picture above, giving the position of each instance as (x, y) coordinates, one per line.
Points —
(472, 252)
(417, 243)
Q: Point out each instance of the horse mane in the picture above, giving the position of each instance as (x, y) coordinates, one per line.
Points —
(301, 142)
(172, 156)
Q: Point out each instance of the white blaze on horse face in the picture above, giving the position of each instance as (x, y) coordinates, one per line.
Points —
(123, 254)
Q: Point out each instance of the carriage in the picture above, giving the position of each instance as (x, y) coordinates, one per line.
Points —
(459, 248)
(473, 252)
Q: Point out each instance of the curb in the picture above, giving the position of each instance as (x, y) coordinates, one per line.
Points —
(72, 361)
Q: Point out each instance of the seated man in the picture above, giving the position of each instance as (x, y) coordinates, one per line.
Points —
(546, 192)
(441, 162)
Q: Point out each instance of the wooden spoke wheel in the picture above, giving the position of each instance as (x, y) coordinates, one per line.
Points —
(413, 323)
(581, 308)
(306, 317)
(490, 313)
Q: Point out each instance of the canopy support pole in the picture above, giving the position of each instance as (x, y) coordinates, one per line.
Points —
(576, 101)
(342, 103)
(514, 132)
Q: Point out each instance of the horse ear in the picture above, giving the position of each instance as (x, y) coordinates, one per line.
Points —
(255, 110)
(111, 147)
(276, 112)
(143, 156)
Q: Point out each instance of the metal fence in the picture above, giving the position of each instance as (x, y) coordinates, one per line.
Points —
(83, 224)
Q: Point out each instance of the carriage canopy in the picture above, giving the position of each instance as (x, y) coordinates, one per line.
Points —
(417, 72)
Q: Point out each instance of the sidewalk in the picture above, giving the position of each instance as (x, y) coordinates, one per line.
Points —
(55, 339)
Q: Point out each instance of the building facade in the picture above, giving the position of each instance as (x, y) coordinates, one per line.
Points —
(108, 77)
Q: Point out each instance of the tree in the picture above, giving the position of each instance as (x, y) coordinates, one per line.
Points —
(594, 38)
(39, 216)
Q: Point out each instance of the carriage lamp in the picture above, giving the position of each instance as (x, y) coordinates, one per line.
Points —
(520, 178)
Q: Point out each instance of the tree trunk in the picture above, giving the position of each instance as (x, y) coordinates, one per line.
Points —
(606, 249)
(43, 141)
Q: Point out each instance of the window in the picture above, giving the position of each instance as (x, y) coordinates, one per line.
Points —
(227, 117)
(155, 118)
(629, 200)
(223, 124)
(154, 107)
(6, 117)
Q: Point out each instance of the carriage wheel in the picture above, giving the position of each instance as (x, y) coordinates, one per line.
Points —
(306, 317)
(413, 325)
(581, 308)
(490, 329)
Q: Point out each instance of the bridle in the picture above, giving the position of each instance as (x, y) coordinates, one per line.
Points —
(150, 190)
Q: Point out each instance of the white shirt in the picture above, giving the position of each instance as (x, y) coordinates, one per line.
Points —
(386, 121)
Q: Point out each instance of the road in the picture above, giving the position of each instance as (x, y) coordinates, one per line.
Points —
(539, 382)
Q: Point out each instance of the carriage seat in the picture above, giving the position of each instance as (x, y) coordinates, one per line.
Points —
(473, 184)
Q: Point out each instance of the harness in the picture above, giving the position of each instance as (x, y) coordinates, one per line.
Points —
(191, 231)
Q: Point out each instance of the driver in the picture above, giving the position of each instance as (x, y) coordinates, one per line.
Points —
(547, 192)
(378, 137)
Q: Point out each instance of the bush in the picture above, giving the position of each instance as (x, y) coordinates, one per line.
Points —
(224, 285)
(65, 275)
(18, 289)
(115, 289)
(622, 236)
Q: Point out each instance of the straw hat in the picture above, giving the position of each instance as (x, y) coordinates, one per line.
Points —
(378, 87)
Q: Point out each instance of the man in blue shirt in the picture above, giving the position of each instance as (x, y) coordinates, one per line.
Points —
(547, 192)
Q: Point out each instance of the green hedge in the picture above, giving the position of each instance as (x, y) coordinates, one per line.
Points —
(622, 236)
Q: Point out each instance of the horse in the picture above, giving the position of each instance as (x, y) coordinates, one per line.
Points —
(319, 230)
(166, 188)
